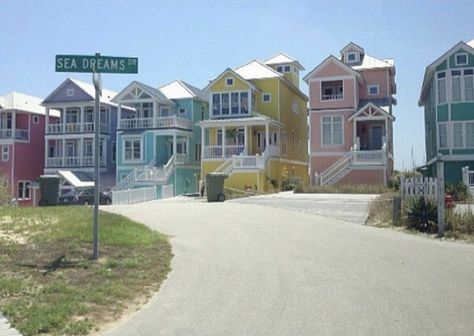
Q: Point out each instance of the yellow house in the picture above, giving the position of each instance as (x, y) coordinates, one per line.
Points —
(257, 129)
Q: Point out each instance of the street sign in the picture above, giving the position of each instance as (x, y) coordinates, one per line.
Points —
(96, 63)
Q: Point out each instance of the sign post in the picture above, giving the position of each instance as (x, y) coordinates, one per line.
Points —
(440, 191)
(96, 65)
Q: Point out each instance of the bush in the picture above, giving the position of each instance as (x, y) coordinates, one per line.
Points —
(422, 215)
(458, 190)
(461, 222)
(344, 189)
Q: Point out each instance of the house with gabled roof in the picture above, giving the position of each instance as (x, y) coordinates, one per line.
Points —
(158, 143)
(257, 131)
(447, 95)
(69, 142)
(22, 126)
(350, 118)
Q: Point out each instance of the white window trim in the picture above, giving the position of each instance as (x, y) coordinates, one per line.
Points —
(438, 145)
(230, 114)
(335, 94)
(371, 86)
(35, 119)
(5, 153)
(342, 130)
(266, 94)
(70, 92)
(227, 84)
(284, 68)
(24, 189)
(132, 138)
(446, 91)
(352, 53)
(295, 108)
(463, 140)
(182, 113)
(460, 54)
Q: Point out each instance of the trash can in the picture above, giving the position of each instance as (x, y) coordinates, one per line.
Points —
(49, 188)
(215, 187)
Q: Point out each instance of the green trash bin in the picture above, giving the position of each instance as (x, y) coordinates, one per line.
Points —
(49, 188)
(215, 187)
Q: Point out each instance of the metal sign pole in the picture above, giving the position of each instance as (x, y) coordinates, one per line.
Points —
(95, 234)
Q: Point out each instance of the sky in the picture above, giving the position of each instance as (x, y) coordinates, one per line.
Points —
(196, 40)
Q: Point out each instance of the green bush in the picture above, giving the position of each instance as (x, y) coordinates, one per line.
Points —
(422, 215)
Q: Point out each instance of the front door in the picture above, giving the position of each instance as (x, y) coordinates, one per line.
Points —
(375, 137)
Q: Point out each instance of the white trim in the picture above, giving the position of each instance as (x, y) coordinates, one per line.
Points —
(331, 78)
(70, 92)
(461, 54)
(35, 117)
(232, 81)
(132, 138)
(371, 86)
(5, 154)
(331, 111)
(322, 134)
(24, 189)
(349, 53)
(266, 94)
(324, 154)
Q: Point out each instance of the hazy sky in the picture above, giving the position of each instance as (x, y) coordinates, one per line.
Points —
(196, 40)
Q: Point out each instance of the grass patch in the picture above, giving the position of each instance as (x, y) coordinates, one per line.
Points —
(80, 295)
(380, 211)
(343, 189)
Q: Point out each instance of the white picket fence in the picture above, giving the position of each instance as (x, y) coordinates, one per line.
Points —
(167, 191)
(132, 196)
(418, 186)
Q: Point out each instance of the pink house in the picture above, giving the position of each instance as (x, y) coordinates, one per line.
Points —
(350, 118)
(22, 121)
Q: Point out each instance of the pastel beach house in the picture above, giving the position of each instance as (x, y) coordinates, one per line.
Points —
(158, 143)
(69, 142)
(447, 96)
(350, 118)
(256, 132)
(22, 126)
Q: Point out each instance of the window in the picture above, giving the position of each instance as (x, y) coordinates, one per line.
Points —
(456, 85)
(441, 87)
(352, 57)
(287, 68)
(230, 103)
(470, 134)
(165, 111)
(457, 135)
(373, 90)
(219, 137)
(279, 68)
(332, 131)
(332, 90)
(229, 81)
(23, 189)
(70, 92)
(469, 84)
(114, 151)
(132, 149)
(443, 135)
(147, 110)
(5, 153)
(295, 108)
(461, 59)
(266, 97)
(35, 120)
(182, 111)
(202, 112)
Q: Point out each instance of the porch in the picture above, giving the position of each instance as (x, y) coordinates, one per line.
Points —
(78, 120)
(73, 153)
(9, 127)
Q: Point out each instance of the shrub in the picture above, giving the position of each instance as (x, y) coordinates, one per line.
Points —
(458, 190)
(461, 222)
(422, 215)
(344, 189)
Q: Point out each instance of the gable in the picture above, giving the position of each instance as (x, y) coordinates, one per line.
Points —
(137, 91)
(219, 84)
(452, 59)
(331, 67)
(371, 111)
(68, 91)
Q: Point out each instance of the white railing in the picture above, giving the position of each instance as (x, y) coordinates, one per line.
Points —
(132, 196)
(55, 128)
(167, 191)
(54, 162)
(248, 162)
(371, 156)
(87, 127)
(181, 158)
(336, 169)
(169, 167)
(72, 128)
(337, 96)
(418, 186)
(468, 177)
(72, 161)
(160, 122)
(215, 152)
(7, 133)
(212, 152)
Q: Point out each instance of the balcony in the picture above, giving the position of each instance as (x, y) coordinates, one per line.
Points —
(330, 97)
(18, 134)
(87, 127)
(215, 152)
(72, 161)
(160, 122)
(332, 90)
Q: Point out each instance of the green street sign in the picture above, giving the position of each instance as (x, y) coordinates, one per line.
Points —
(97, 63)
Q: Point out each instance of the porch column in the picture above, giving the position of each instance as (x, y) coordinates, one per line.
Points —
(174, 145)
(155, 114)
(81, 118)
(63, 164)
(203, 133)
(63, 120)
(119, 115)
(46, 121)
(246, 143)
(267, 135)
(13, 124)
(354, 130)
(46, 153)
(223, 141)
(80, 151)
(386, 132)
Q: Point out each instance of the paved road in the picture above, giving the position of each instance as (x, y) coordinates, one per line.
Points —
(241, 269)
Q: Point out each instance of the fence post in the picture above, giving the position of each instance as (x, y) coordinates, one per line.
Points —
(440, 193)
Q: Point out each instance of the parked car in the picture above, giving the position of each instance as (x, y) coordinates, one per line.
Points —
(84, 197)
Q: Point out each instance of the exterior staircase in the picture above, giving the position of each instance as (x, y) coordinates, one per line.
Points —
(337, 170)
(242, 162)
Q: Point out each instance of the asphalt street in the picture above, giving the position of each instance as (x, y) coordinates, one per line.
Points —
(271, 266)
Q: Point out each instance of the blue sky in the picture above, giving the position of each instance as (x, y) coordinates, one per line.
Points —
(196, 40)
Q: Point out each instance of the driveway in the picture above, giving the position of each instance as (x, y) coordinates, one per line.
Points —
(250, 267)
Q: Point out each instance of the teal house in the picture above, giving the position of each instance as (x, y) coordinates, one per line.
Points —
(447, 95)
(158, 144)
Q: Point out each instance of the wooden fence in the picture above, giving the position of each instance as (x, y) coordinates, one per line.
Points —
(418, 186)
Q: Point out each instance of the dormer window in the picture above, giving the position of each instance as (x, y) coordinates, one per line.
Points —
(280, 68)
(287, 68)
(352, 57)
(461, 59)
(229, 81)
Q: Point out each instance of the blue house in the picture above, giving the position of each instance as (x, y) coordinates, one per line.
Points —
(447, 96)
(69, 142)
(158, 143)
